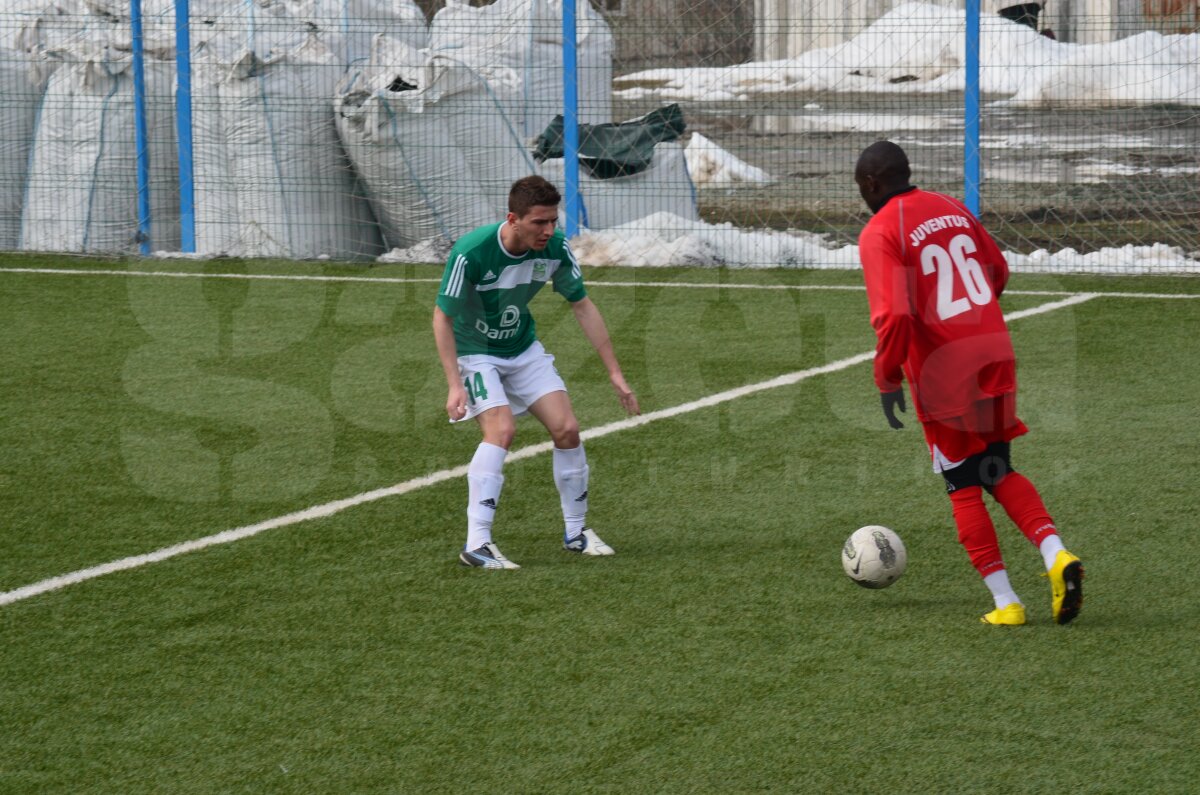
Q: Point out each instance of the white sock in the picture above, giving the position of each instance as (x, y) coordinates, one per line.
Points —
(1050, 547)
(571, 477)
(484, 482)
(1002, 590)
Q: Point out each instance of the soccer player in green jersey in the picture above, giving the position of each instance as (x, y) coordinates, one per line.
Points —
(496, 369)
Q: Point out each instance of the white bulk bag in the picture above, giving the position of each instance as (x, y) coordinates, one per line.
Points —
(82, 183)
(30, 32)
(22, 86)
(526, 37)
(347, 26)
(37, 26)
(358, 22)
(663, 187)
(431, 140)
(271, 178)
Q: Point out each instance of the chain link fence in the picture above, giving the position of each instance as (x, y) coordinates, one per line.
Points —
(351, 129)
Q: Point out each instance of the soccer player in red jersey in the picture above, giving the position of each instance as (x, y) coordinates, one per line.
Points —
(933, 278)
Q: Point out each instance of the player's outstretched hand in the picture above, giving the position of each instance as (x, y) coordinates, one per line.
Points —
(456, 402)
(891, 401)
(625, 395)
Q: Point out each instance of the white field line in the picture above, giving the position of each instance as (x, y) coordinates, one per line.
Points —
(860, 288)
(1077, 298)
(337, 506)
(299, 277)
(283, 277)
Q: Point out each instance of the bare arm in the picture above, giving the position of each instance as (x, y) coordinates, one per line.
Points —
(443, 336)
(592, 323)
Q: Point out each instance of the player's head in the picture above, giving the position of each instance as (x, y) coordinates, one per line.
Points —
(882, 169)
(533, 211)
(529, 192)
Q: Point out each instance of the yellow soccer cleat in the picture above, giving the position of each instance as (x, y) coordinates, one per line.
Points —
(1011, 616)
(1066, 587)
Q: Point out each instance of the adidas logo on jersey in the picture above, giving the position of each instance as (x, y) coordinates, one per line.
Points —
(489, 275)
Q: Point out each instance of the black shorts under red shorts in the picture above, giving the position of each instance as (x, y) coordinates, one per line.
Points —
(989, 421)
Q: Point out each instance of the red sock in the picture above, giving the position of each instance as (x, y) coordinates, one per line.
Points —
(1024, 506)
(976, 532)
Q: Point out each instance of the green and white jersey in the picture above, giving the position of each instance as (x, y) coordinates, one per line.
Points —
(487, 291)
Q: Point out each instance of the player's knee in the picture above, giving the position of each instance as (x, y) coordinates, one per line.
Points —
(566, 434)
(500, 434)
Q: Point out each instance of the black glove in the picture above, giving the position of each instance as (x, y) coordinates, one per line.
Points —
(890, 401)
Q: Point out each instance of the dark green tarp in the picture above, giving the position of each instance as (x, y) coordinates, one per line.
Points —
(615, 149)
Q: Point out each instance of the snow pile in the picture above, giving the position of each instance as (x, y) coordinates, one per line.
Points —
(1141, 69)
(711, 166)
(663, 240)
(1158, 258)
(433, 250)
(919, 47)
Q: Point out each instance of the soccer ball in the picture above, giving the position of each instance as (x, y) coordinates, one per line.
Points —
(874, 556)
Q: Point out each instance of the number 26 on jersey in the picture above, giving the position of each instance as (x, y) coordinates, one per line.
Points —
(956, 267)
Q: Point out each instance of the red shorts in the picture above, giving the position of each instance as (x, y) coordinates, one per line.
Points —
(953, 439)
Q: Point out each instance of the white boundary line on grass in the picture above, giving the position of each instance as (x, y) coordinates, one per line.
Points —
(300, 277)
(860, 288)
(337, 506)
(283, 277)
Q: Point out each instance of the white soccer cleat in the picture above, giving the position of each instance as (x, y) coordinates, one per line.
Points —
(487, 556)
(588, 543)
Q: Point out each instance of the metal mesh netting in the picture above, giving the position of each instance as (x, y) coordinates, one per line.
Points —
(348, 128)
(1089, 132)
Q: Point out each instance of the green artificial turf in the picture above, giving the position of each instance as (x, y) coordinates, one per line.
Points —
(721, 650)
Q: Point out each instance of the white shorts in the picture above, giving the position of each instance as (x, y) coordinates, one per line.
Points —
(518, 382)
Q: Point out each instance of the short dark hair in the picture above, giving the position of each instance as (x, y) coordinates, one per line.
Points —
(885, 161)
(529, 192)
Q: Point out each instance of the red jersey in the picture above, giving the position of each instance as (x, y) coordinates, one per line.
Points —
(933, 277)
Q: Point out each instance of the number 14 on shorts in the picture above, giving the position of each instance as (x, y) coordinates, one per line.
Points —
(476, 390)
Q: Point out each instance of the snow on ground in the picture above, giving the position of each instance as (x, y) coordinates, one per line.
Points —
(871, 122)
(919, 47)
(425, 251)
(710, 166)
(662, 240)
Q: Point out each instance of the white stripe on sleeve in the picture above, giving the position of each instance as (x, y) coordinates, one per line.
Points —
(575, 271)
(462, 276)
(454, 283)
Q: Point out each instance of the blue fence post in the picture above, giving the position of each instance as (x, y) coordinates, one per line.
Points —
(183, 127)
(139, 128)
(571, 122)
(971, 171)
